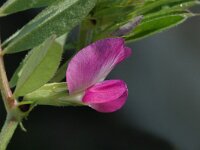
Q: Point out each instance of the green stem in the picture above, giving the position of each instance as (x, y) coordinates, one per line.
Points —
(7, 132)
(8, 99)
(10, 105)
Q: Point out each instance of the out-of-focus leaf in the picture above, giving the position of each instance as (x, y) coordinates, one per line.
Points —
(159, 5)
(127, 28)
(154, 26)
(62, 39)
(57, 19)
(13, 6)
(154, 11)
(122, 3)
(165, 18)
(40, 67)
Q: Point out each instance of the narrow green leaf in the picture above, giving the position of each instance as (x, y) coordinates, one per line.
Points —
(154, 11)
(158, 5)
(156, 25)
(179, 8)
(62, 39)
(18, 71)
(125, 11)
(13, 81)
(160, 16)
(39, 67)
(60, 74)
(13, 6)
(56, 19)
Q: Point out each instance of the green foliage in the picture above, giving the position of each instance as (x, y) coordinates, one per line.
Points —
(156, 25)
(156, 21)
(18, 71)
(97, 22)
(97, 19)
(109, 18)
(16, 75)
(60, 74)
(57, 19)
(39, 67)
(13, 6)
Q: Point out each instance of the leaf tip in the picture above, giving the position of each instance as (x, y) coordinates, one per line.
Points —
(2, 14)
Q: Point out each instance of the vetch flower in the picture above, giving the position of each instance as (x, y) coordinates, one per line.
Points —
(88, 69)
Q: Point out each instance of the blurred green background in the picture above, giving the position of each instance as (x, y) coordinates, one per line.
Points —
(162, 111)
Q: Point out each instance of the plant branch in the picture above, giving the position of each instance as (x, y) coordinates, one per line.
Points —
(7, 132)
(8, 99)
(10, 103)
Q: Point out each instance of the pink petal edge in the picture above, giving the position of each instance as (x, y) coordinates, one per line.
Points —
(106, 96)
(93, 63)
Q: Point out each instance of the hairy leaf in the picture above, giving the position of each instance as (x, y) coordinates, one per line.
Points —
(56, 19)
(60, 74)
(13, 6)
(156, 25)
(16, 75)
(40, 67)
(18, 71)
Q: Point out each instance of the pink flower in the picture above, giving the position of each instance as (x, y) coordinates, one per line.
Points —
(88, 69)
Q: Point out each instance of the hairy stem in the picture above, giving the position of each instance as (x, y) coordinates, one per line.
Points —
(10, 103)
(7, 132)
(8, 99)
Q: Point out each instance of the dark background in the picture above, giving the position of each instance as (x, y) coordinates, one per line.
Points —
(162, 111)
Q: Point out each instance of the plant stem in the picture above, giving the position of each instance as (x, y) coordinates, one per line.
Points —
(10, 103)
(8, 99)
(7, 132)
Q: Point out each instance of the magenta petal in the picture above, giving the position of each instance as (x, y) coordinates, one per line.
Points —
(93, 63)
(106, 96)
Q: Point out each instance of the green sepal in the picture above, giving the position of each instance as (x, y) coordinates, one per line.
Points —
(54, 94)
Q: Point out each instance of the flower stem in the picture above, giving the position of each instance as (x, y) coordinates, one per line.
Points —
(7, 132)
